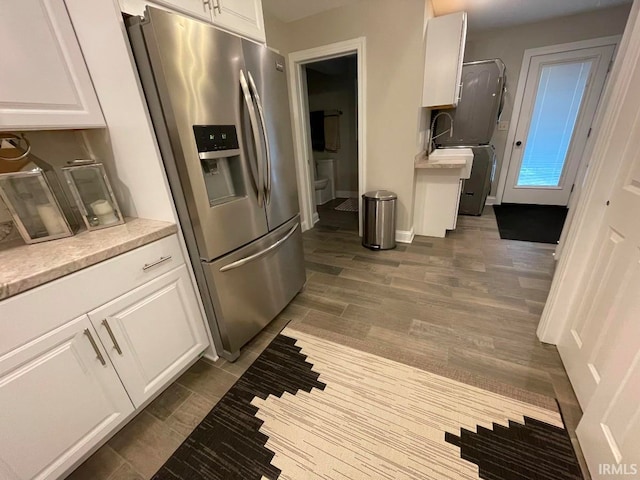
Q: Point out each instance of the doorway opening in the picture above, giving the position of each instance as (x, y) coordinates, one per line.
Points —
(332, 92)
(328, 92)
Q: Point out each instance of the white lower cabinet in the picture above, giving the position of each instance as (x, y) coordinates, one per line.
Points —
(59, 396)
(67, 386)
(152, 333)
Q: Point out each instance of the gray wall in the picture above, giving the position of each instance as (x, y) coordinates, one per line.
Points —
(509, 44)
(394, 34)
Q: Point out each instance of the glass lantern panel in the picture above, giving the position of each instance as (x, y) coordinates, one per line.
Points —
(31, 200)
(99, 205)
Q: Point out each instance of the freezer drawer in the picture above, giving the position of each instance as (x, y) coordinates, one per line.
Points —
(255, 283)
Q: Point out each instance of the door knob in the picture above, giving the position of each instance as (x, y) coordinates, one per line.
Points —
(518, 143)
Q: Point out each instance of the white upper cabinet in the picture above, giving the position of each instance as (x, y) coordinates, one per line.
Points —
(44, 82)
(59, 396)
(193, 8)
(243, 17)
(444, 53)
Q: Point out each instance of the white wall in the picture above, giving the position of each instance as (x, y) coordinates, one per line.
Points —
(338, 92)
(394, 34)
(510, 43)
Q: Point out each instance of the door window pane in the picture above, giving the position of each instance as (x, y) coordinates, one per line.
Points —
(561, 90)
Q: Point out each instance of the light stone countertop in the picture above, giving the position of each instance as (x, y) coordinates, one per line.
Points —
(422, 161)
(23, 267)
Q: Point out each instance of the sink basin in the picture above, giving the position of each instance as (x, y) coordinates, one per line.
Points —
(454, 156)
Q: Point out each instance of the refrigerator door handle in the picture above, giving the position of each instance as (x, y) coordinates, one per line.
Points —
(263, 124)
(262, 253)
(248, 100)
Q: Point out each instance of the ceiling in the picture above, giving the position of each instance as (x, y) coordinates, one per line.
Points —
(483, 14)
(292, 10)
(486, 14)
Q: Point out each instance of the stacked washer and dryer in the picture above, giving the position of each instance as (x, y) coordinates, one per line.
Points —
(475, 119)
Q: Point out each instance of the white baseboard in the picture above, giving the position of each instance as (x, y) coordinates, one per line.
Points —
(316, 218)
(405, 236)
(492, 201)
(346, 194)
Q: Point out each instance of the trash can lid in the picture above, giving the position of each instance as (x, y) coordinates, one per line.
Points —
(381, 195)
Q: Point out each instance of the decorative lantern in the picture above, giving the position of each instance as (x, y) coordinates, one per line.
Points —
(92, 193)
(33, 195)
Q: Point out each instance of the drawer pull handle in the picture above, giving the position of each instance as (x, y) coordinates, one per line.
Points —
(262, 253)
(87, 332)
(147, 266)
(106, 325)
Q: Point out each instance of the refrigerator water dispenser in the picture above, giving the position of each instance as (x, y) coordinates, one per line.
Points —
(220, 160)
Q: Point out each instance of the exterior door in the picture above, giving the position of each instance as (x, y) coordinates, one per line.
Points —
(266, 70)
(152, 333)
(560, 99)
(196, 72)
(58, 400)
(600, 347)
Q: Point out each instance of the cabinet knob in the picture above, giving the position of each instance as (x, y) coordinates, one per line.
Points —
(518, 143)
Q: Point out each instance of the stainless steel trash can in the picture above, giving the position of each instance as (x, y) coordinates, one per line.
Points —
(379, 220)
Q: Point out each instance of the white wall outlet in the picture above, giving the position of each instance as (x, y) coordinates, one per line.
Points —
(503, 125)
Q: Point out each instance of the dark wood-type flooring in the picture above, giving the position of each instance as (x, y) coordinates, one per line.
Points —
(470, 301)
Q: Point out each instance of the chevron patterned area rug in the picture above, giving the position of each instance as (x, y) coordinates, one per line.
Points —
(309, 408)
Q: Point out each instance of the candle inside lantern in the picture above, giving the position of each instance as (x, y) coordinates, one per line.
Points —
(51, 219)
(104, 211)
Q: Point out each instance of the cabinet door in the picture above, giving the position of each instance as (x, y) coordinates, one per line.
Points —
(44, 82)
(57, 400)
(152, 333)
(193, 8)
(444, 52)
(243, 17)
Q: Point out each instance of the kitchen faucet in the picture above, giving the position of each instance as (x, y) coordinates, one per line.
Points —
(430, 145)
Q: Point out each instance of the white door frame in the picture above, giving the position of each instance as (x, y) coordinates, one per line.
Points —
(519, 97)
(301, 132)
(590, 207)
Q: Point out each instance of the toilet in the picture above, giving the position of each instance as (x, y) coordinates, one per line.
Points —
(324, 181)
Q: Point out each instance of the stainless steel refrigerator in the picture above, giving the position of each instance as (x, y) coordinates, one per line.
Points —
(475, 119)
(219, 106)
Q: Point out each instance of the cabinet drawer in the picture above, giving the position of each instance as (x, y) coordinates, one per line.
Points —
(35, 312)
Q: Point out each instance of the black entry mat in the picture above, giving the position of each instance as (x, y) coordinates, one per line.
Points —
(530, 223)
